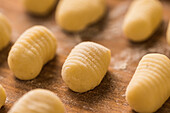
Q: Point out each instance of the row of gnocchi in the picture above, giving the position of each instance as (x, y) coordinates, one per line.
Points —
(87, 64)
(71, 15)
(141, 21)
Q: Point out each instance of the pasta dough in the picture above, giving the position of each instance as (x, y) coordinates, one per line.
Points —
(86, 66)
(168, 34)
(5, 31)
(142, 19)
(39, 7)
(150, 85)
(76, 15)
(38, 101)
(34, 48)
(2, 96)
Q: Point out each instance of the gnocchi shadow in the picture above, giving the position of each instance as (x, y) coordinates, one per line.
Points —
(153, 39)
(165, 108)
(94, 96)
(4, 53)
(4, 109)
(49, 75)
(40, 17)
(91, 30)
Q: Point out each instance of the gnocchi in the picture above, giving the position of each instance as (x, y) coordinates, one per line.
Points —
(5, 31)
(168, 34)
(38, 101)
(34, 48)
(86, 66)
(2, 96)
(150, 86)
(142, 19)
(39, 7)
(76, 15)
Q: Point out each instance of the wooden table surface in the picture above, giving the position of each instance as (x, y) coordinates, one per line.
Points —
(109, 96)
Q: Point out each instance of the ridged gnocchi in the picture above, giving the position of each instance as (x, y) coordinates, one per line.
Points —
(5, 31)
(86, 66)
(150, 85)
(76, 15)
(142, 19)
(39, 7)
(34, 48)
(168, 34)
(2, 96)
(38, 101)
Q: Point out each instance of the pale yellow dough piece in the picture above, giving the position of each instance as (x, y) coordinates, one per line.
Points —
(86, 66)
(76, 15)
(34, 48)
(168, 34)
(142, 19)
(150, 86)
(2, 96)
(38, 101)
(39, 7)
(5, 31)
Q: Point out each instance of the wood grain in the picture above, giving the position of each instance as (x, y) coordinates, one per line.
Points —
(109, 96)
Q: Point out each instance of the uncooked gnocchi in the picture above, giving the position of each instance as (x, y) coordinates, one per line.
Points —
(76, 15)
(5, 31)
(39, 7)
(38, 101)
(2, 96)
(34, 48)
(86, 66)
(150, 85)
(168, 34)
(142, 19)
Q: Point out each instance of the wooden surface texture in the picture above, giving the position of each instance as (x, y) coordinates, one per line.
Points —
(109, 96)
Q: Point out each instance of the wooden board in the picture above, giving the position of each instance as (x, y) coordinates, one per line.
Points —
(109, 96)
